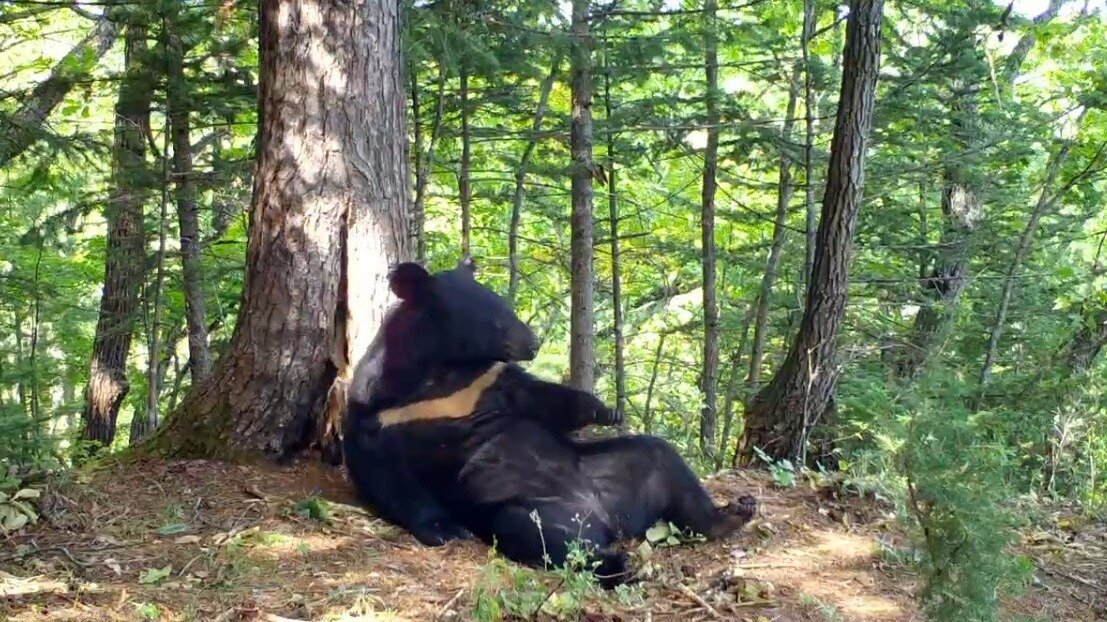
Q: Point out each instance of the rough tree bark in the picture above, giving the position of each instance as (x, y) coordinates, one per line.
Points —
(177, 99)
(125, 253)
(710, 377)
(20, 130)
(780, 417)
(329, 217)
(521, 179)
(582, 320)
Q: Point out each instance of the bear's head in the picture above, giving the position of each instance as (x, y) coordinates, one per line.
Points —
(442, 319)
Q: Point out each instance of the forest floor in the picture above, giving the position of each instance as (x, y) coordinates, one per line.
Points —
(202, 540)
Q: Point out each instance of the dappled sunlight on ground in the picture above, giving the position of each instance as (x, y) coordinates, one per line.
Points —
(200, 540)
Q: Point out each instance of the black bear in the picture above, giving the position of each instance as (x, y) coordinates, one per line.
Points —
(445, 437)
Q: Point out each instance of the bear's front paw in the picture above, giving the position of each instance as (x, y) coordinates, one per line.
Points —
(598, 412)
(439, 532)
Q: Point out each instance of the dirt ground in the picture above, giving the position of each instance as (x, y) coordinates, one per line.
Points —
(201, 540)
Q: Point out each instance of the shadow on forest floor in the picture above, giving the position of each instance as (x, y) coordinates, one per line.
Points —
(202, 540)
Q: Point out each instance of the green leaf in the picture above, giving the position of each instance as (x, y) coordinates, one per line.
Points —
(152, 576)
(12, 519)
(657, 533)
(27, 493)
(172, 529)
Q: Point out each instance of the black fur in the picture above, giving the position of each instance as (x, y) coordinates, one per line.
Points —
(500, 462)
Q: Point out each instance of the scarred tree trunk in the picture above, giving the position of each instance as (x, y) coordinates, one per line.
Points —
(329, 217)
(780, 417)
(199, 355)
(582, 355)
(107, 384)
(960, 210)
(710, 377)
(961, 205)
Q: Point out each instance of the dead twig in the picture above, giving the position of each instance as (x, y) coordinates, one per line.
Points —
(699, 601)
(450, 603)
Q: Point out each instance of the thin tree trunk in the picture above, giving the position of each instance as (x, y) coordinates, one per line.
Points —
(329, 218)
(647, 414)
(521, 177)
(125, 253)
(464, 182)
(22, 128)
(1046, 200)
(36, 326)
(785, 188)
(732, 387)
(809, 20)
(143, 423)
(616, 264)
(178, 100)
(424, 166)
(781, 416)
(175, 392)
(710, 377)
(582, 354)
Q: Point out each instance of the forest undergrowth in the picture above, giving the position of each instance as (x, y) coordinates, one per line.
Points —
(202, 540)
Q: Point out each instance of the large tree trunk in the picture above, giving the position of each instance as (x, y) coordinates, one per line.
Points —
(582, 354)
(782, 415)
(20, 130)
(329, 217)
(710, 377)
(199, 355)
(125, 253)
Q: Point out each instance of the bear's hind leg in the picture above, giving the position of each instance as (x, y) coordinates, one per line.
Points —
(691, 507)
(517, 537)
(684, 500)
(642, 479)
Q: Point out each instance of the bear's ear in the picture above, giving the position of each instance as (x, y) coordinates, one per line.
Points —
(409, 281)
(468, 263)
